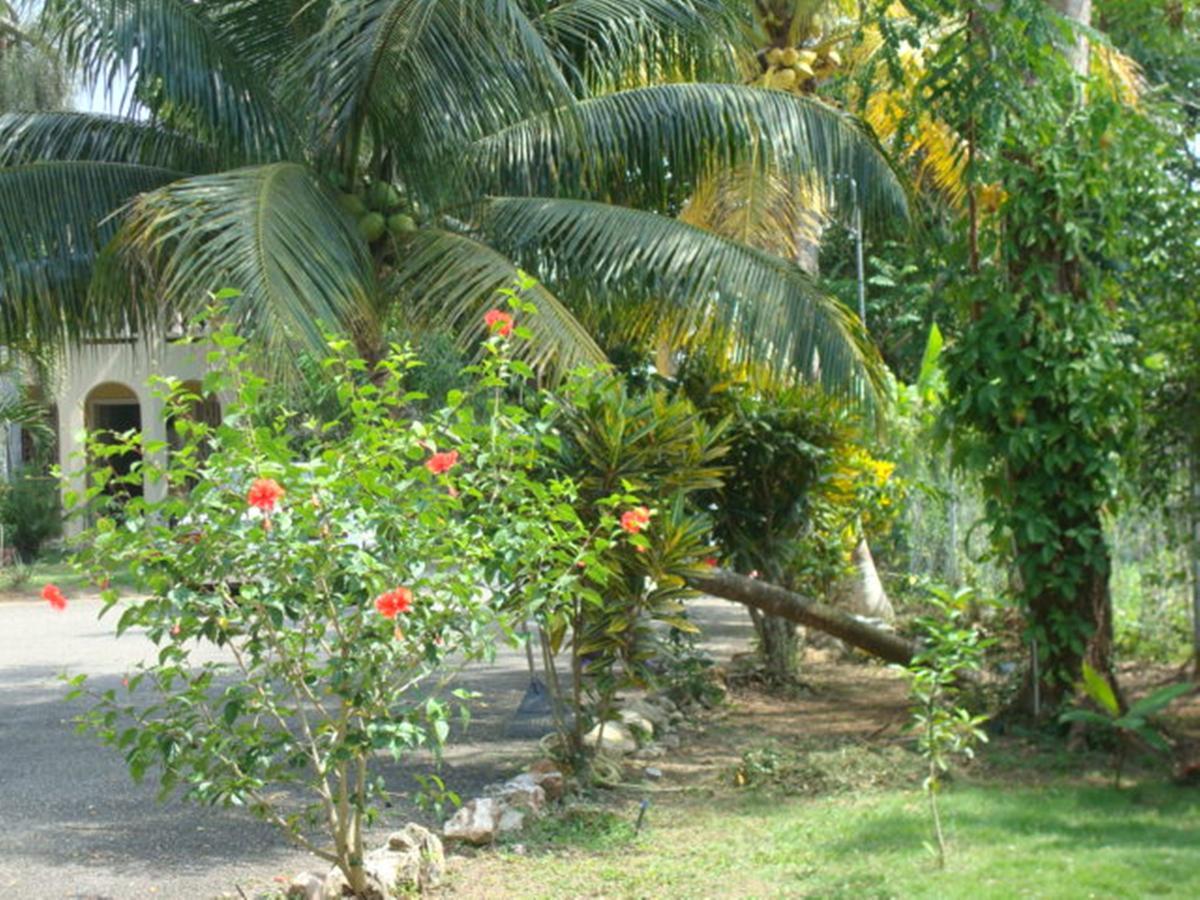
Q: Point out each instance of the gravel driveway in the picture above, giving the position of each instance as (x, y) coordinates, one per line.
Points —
(73, 825)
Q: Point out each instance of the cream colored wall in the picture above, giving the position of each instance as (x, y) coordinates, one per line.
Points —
(131, 365)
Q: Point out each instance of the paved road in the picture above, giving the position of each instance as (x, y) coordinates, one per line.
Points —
(72, 824)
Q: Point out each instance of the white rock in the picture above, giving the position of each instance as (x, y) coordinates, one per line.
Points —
(652, 711)
(337, 886)
(652, 773)
(425, 858)
(617, 737)
(305, 886)
(510, 820)
(412, 860)
(523, 792)
(475, 822)
(549, 779)
(639, 724)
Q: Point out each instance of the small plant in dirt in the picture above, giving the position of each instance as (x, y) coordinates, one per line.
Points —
(945, 729)
(337, 570)
(1127, 726)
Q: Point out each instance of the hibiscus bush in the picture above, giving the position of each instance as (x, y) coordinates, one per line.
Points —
(311, 584)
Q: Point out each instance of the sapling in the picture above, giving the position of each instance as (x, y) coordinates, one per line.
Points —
(945, 728)
(1132, 723)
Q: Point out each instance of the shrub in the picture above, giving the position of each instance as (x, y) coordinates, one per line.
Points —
(30, 513)
(620, 444)
(340, 565)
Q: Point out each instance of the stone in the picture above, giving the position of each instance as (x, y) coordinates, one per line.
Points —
(413, 860)
(616, 737)
(523, 792)
(337, 886)
(306, 886)
(423, 847)
(642, 727)
(549, 778)
(654, 774)
(511, 820)
(475, 822)
(650, 710)
(671, 741)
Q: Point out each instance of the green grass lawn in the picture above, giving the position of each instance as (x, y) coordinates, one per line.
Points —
(28, 580)
(1064, 840)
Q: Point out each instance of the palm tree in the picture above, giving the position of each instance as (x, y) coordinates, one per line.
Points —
(493, 134)
(30, 75)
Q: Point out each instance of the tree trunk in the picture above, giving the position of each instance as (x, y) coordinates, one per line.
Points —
(776, 601)
(778, 644)
(1079, 11)
(1194, 515)
(1061, 661)
(862, 592)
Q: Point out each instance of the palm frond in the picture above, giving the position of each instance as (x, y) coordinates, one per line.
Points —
(761, 209)
(177, 66)
(270, 232)
(453, 280)
(776, 312)
(403, 64)
(627, 43)
(264, 33)
(1118, 72)
(43, 137)
(652, 145)
(54, 218)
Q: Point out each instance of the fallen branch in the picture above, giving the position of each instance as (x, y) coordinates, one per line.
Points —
(777, 601)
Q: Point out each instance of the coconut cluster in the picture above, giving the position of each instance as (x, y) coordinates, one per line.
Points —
(379, 208)
(789, 67)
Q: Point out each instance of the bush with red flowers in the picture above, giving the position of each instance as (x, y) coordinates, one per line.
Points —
(343, 568)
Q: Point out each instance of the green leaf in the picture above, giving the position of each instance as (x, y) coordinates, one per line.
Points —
(1159, 699)
(27, 138)
(191, 73)
(54, 219)
(673, 134)
(775, 312)
(1097, 687)
(271, 232)
(453, 280)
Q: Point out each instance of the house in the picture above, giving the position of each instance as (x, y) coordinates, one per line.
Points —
(105, 385)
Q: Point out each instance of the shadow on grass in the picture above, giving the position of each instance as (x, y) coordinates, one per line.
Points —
(1156, 817)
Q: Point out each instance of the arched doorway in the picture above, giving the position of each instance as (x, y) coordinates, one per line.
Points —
(111, 409)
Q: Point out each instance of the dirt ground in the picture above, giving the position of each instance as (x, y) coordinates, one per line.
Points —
(847, 716)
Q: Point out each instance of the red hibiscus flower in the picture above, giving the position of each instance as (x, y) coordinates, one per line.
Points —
(393, 602)
(52, 595)
(498, 322)
(442, 462)
(710, 561)
(634, 520)
(264, 494)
